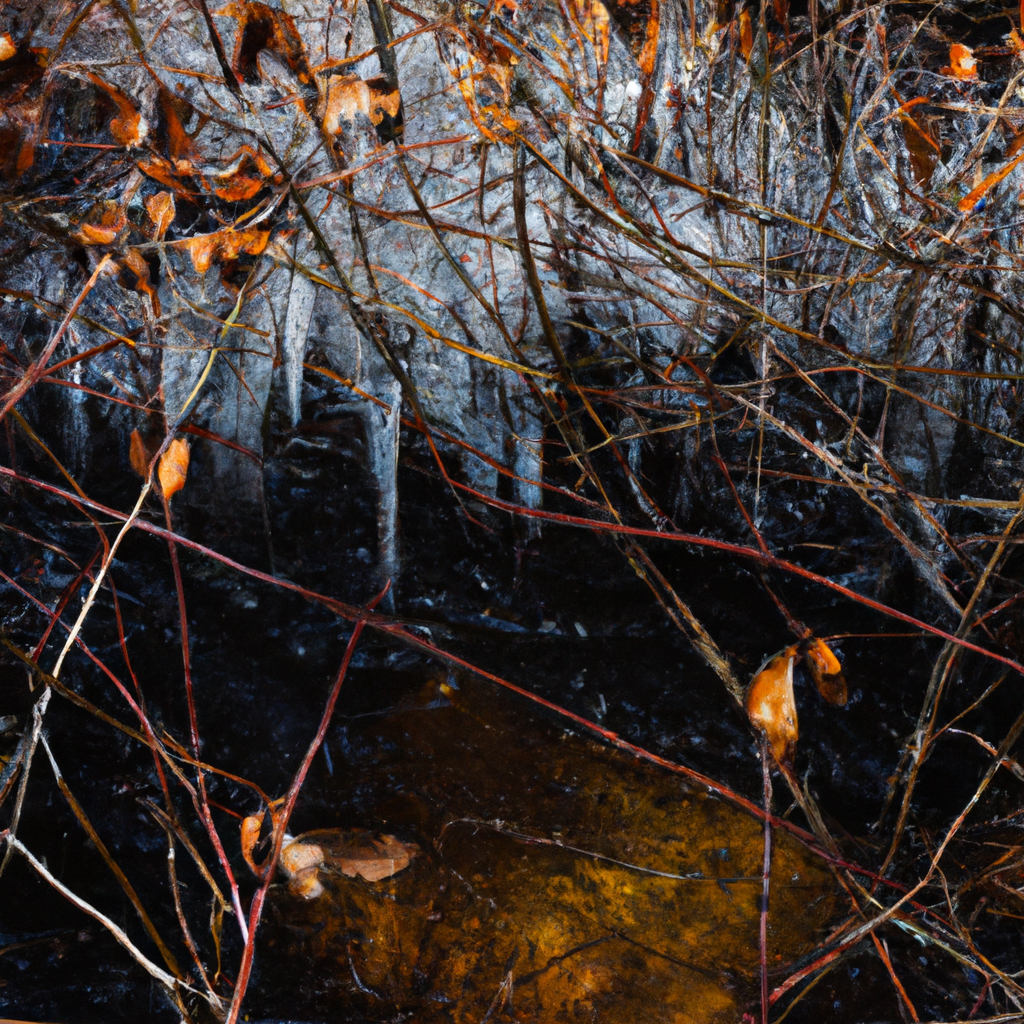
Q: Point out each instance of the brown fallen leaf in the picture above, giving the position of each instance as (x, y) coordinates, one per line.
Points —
(771, 706)
(102, 224)
(348, 96)
(161, 211)
(129, 128)
(173, 468)
(826, 672)
(356, 853)
(139, 455)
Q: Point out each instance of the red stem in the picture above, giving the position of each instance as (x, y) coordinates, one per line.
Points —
(281, 821)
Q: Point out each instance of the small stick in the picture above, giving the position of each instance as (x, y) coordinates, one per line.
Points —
(151, 968)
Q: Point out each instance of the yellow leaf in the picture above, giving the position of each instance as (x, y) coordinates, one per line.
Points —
(173, 467)
(771, 706)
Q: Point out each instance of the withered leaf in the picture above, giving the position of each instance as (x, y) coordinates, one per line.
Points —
(7, 47)
(746, 34)
(826, 672)
(161, 211)
(962, 63)
(250, 834)
(102, 224)
(348, 96)
(129, 128)
(356, 853)
(226, 245)
(139, 455)
(173, 468)
(771, 706)
(261, 27)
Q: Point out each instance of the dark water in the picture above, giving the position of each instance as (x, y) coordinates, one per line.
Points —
(561, 615)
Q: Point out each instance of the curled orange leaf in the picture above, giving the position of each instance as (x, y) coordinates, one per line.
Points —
(160, 209)
(250, 837)
(129, 128)
(173, 468)
(962, 64)
(746, 34)
(101, 225)
(771, 705)
(227, 245)
(826, 672)
(138, 455)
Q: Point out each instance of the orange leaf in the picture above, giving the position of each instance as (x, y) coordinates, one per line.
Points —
(962, 64)
(160, 209)
(348, 96)
(173, 467)
(136, 263)
(771, 706)
(355, 853)
(746, 34)
(228, 245)
(138, 455)
(7, 47)
(102, 225)
(970, 200)
(261, 27)
(826, 672)
(129, 128)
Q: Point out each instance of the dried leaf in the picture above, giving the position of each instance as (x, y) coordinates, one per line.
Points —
(173, 467)
(102, 224)
(826, 672)
(250, 837)
(136, 263)
(139, 455)
(261, 27)
(7, 47)
(161, 211)
(962, 64)
(348, 96)
(129, 128)
(227, 245)
(771, 706)
(746, 34)
(976, 194)
(351, 852)
(592, 18)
